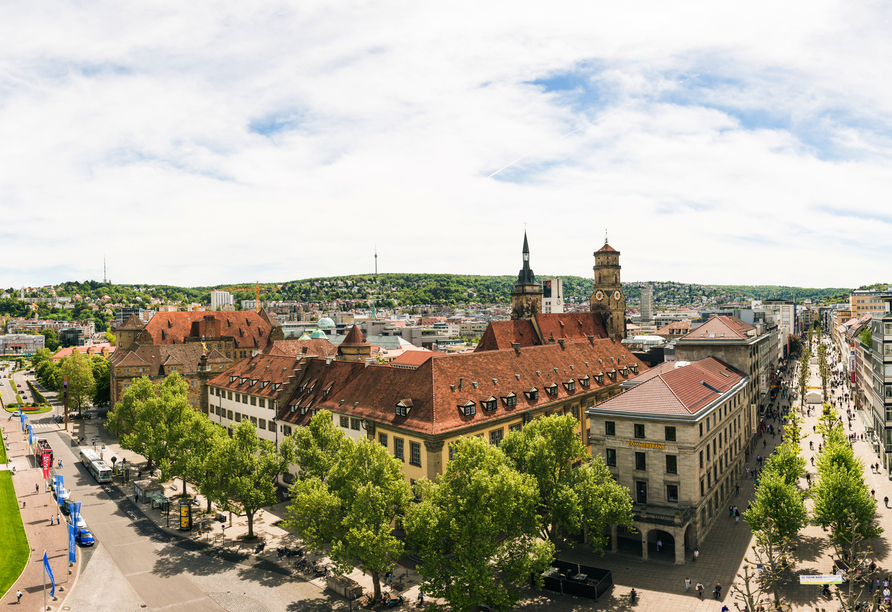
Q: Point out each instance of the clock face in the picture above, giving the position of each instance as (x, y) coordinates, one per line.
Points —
(617, 295)
(599, 295)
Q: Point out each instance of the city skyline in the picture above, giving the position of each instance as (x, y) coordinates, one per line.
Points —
(206, 145)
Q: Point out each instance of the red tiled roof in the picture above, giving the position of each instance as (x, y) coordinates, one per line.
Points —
(571, 325)
(246, 327)
(723, 327)
(679, 391)
(261, 375)
(412, 358)
(607, 249)
(354, 337)
(441, 383)
(133, 323)
(292, 347)
(153, 357)
(501, 334)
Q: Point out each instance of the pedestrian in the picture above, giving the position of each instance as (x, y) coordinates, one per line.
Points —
(730, 511)
(420, 598)
(36, 488)
(687, 584)
(52, 518)
(659, 545)
(718, 590)
(699, 588)
(18, 597)
(886, 501)
(873, 493)
(737, 488)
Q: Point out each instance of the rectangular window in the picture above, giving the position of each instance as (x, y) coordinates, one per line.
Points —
(238, 417)
(287, 430)
(217, 410)
(451, 450)
(701, 460)
(702, 488)
(345, 422)
(354, 423)
(701, 430)
(670, 434)
(495, 437)
(639, 430)
(671, 464)
(254, 421)
(398, 448)
(229, 414)
(641, 492)
(382, 438)
(229, 394)
(611, 457)
(610, 428)
(238, 397)
(708, 452)
(515, 427)
(640, 461)
(253, 400)
(272, 426)
(415, 449)
(672, 494)
(261, 402)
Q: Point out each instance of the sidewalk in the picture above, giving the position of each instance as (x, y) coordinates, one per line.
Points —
(36, 509)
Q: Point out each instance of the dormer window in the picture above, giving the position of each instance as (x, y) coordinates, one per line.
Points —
(232, 378)
(551, 389)
(468, 408)
(489, 404)
(252, 383)
(532, 394)
(241, 381)
(635, 368)
(264, 384)
(599, 378)
(510, 400)
(403, 407)
(585, 382)
(570, 386)
(612, 374)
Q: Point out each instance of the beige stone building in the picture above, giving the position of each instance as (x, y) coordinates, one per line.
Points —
(676, 440)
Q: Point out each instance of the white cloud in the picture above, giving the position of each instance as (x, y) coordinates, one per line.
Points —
(221, 142)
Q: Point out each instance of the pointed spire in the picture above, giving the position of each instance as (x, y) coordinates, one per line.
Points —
(605, 236)
(526, 245)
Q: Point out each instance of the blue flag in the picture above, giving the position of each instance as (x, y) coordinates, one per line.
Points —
(22, 418)
(72, 557)
(46, 566)
(30, 435)
(75, 512)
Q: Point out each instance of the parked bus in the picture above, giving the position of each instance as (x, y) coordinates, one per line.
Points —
(41, 447)
(101, 471)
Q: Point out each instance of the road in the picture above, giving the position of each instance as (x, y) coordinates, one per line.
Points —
(135, 565)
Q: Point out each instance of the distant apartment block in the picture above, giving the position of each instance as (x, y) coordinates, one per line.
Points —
(552, 295)
(647, 303)
(20, 344)
(219, 299)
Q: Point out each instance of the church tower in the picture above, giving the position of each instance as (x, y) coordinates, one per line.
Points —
(608, 298)
(526, 299)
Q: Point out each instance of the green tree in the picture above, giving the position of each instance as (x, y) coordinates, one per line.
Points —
(102, 379)
(242, 473)
(802, 379)
(40, 356)
(575, 491)
(787, 462)
(79, 371)
(779, 504)
(206, 439)
(50, 339)
(354, 509)
(477, 529)
(316, 446)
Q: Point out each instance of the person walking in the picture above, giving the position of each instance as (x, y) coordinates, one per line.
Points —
(659, 545)
(687, 584)
(18, 597)
(52, 519)
(717, 592)
(696, 554)
(699, 588)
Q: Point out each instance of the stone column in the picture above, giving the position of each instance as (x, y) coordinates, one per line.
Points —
(679, 545)
(644, 531)
(434, 463)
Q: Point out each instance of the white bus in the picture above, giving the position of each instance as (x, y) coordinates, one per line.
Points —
(101, 471)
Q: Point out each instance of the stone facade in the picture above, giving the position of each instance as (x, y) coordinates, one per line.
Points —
(607, 297)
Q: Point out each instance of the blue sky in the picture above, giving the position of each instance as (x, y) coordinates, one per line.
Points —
(208, 144)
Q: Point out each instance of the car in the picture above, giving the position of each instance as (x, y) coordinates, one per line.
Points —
(17, 385)
(81, 523)
(17, 413)
(84, 537)
(66, 508)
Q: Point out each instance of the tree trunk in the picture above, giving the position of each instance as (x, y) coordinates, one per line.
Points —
(376, 581)
(184, 485)
(250, 516)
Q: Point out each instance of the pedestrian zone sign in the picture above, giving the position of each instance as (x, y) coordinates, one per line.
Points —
(821, 579)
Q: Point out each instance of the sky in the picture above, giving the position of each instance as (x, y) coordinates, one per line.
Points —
(206, 143)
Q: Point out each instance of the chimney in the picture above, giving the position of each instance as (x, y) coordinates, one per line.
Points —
(591, 340)
(516, 347)
(561, 342)
(461, 383)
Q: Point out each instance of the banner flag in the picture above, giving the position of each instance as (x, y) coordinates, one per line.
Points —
(75, 512)
(72, 557)
(30, 435)
(46, 466)
(49, 572)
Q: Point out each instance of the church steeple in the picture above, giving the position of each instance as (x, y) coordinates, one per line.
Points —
(607, 295)
(526, 299)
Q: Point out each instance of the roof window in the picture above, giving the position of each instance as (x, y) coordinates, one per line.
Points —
(468, 408)
(570, 386)
(532, 394)
(489, 404)
(510, 400)
(403, 407)
(551, 389)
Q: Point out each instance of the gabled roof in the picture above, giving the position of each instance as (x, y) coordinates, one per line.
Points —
(133, 323)
(153, 357)
(720, 327)
(607, 249)
(680, 391)
(570, 325)
(320, 347)
(501, 334)
(246, 327)
(412, 359)
(276, 372)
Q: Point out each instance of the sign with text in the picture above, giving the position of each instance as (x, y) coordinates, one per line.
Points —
(647, 445)
(821, 579)
(46, 463)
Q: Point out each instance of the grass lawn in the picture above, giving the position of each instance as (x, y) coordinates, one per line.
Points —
(3, 450)
(14, 553)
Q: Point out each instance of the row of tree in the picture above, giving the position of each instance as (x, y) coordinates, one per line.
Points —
(495, 517)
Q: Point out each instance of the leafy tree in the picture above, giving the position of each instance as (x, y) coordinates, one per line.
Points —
(772, 553)
(353, 509)
(575, 492)
(50, 339)
(40, 356)
(477, 529)
(316, 446)
(866, 337)
(779, 504)
(855, 558)
(102, 378)
(206, 438)
(242, 473)
(787, 462)
(802, 379)
(79, 371)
